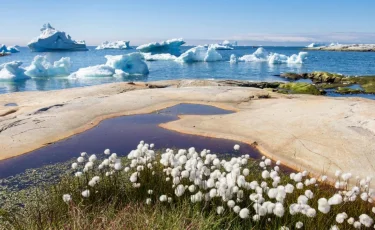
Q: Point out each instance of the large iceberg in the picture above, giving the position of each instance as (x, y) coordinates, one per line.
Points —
(41, 67)
(8, 49)
(122, 45)
(200, 54)
(53, 40)
(127, 64)
(170, 46)
(158, 57)
(261, 55)
(12, 71)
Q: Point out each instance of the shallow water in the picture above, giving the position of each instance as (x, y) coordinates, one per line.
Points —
(122, 134)
(349, 63)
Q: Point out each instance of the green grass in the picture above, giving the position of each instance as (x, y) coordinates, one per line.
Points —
(115, 204)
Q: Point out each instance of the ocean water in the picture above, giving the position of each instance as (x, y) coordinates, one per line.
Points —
(349, 63)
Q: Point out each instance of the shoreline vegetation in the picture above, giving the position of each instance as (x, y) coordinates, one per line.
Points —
(321, 81)
(186, 189)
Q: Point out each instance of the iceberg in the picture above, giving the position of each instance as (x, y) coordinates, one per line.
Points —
(169, 46)
(9, 49)
(228, 43)
(276, 58)
(233, 58)
(94, 71)
(41, 67)
(53, 40)
(221, 47)
(122, 45)
(312, 45)
(132, 63)
(200, 54)
(260, 55)
(12, 71)
(158, 57)
(118, 65)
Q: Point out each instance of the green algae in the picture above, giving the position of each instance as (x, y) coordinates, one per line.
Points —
(299, 88)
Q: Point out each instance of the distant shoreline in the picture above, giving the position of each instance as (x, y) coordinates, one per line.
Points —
(348, 48)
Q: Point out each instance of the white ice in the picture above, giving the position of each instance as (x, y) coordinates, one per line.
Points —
(261, 55)
(114, 45)
(312, 45)
(276, 58)
(118, 65)
(221, 47)
(200, 54)
(233, 58)
(228, 43)
(159, 57)
(169, 46)
(41, 67)
(8, 49)
(12, 71)
(53, 40)
(94, 71)
(132, 63)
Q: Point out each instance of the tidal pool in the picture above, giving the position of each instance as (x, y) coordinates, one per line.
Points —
(122, 134)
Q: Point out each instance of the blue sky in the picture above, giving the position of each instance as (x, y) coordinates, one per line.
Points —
(251, 22)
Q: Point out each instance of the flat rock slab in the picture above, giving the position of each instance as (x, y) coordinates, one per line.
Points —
(316, 133)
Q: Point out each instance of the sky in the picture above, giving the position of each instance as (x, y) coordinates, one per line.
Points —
(250, 22)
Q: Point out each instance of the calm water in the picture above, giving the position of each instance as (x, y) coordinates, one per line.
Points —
(122, 134)
(350, 63)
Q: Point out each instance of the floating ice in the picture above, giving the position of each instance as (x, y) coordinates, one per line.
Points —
(200, 54)
(233, 58)
(169, 46)
(114, 45)
(41, 67)
(261, 55)
(127, 64)
(94, 71)
(9, 49)
(228, 43)
(158, 57)
(221, 47)
(12, 71)
(132, 63)
(225, 45)
(276, 58)
(53, 40)
(312, 45)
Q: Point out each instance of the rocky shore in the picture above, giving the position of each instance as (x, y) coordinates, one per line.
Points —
(319, 134)
(346, 47)
(341, 83)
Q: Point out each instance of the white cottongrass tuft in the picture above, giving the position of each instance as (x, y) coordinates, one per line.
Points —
(86, 193)
(236, 147)
(244, 213)
(299, 225)
(67, 198)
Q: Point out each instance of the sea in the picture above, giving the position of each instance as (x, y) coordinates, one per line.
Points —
(348, 63)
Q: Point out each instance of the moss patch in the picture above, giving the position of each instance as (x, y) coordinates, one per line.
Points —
(346, 90)
(300, 88)
(325, 77)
